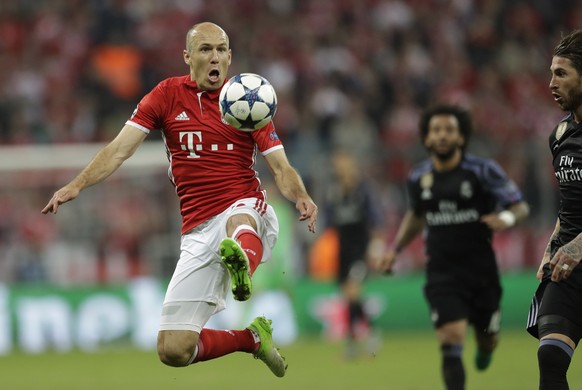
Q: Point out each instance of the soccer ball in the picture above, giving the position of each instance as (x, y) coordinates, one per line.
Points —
(247, 102)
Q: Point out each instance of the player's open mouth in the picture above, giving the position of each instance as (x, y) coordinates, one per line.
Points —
(214, 75)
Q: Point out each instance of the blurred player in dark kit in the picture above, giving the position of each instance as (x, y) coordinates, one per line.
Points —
(555, 317)
(355, 214)
(228, 227)
(460, 199)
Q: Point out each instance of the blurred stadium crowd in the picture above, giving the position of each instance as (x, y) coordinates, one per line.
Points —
(351, 74)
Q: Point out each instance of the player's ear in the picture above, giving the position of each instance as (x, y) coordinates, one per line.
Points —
(186, 57)
(229, 56)
(425, 142)
(461, 141)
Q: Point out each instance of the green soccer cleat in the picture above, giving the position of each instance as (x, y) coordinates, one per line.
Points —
(483, 359)
(267, 351)
(237, 263)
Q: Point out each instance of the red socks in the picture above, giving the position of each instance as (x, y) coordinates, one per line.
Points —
(251, 243)
(214, 343)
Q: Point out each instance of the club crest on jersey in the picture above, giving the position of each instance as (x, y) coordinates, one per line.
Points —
(466, 190)
(561, 130)
(426, 182)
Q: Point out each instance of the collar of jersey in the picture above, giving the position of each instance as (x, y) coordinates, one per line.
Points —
(192, 84)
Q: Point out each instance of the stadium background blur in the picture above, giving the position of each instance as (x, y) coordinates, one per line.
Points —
(349, 74)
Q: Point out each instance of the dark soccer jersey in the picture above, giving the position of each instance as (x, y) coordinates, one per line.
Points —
(566, 146)
(353, 214)
(452, 204)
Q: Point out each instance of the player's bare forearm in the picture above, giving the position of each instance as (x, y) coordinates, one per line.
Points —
(506, 219)
(521, 211)
(410, 227)
(97, 170)
(376, 247)
(291, 186)
(105, 162)
(548, 251)
(545, 259)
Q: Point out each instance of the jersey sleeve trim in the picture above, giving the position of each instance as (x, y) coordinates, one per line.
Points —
(271, 150)
(138, 126)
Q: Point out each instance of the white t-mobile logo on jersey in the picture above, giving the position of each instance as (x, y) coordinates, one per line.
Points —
(190, 138)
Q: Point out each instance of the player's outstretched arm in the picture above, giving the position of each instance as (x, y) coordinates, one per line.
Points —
(105, 162)
(291, 186)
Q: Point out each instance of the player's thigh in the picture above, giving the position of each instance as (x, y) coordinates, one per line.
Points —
(564, 298)
(187, 316)
(181, 325)
(199, 276)
(485, 308)
(559, 310)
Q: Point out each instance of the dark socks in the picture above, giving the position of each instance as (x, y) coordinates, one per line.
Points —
(554, 358)
(356, 313)
(452, 367)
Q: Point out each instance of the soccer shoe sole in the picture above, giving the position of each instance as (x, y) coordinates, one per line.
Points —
(237, 263)
(267, 351)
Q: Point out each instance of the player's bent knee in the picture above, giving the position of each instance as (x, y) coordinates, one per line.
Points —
(174, 358)
(175, 352)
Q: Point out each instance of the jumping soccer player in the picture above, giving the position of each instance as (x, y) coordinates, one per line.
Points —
(228, 228)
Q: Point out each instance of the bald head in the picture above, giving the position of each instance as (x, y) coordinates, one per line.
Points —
(201, 30)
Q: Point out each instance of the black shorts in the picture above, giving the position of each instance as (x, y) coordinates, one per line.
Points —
(562, 300)
(476, 299)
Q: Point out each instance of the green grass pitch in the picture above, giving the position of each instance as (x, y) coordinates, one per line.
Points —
(406, 361)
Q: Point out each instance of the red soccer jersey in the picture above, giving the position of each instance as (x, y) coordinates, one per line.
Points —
(211, 163)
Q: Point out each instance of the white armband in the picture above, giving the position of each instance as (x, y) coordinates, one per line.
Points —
(507, 217)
